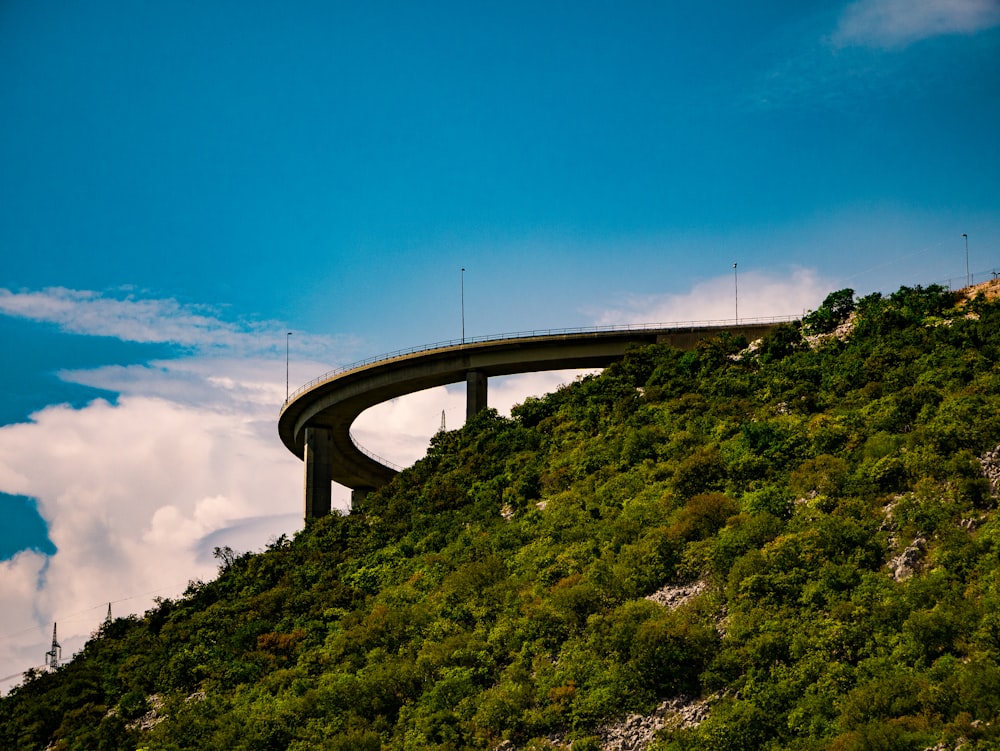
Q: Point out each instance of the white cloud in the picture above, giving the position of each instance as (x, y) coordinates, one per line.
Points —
(755, 293)
(128, 319)
(839, 63)
(152, 320)
(896, 23)
(215, 381)
(22, 634)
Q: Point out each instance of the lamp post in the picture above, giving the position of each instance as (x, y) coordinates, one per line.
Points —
(736, 292)
(463, 305)
(967, 280)
(288, 336)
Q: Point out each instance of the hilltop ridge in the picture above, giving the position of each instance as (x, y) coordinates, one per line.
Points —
(989, 289)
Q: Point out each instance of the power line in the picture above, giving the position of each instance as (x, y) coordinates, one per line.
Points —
(21, 673)
(906, 256)
(71, 616)
(893, 262)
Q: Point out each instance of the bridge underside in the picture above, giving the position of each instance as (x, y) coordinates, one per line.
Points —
(318, 459)
(315, 425)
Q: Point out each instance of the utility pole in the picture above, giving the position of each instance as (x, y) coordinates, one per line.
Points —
(967, 278)
(736, 290)
(463, 305)
(287, 337)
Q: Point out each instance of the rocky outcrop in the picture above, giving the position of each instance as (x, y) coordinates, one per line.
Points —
(990, 462)
(674, 595)
(635, 732)
(907, 563)
(841, 333)
(152, 718)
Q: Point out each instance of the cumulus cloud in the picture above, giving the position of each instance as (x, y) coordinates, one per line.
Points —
(137, 492)
(896, 23)
(756, 294)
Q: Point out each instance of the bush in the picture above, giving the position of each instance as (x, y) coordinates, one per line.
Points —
(702, 516)
(702, 471)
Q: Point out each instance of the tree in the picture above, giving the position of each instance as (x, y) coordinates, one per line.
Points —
(834, 311)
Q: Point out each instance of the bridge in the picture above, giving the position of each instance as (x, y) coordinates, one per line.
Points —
(315, 421)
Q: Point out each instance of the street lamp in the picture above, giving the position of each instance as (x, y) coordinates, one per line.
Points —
(463, 305)
(967, 282)
(288, 336)
(736, 290)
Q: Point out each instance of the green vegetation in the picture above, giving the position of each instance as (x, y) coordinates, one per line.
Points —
(497, 589)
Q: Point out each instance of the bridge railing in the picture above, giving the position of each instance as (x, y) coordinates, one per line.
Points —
(371, 455)
(610, 329)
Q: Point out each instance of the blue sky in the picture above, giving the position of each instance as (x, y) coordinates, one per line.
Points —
(184, 183)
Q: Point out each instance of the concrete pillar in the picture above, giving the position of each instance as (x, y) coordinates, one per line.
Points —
(319, 471)
(358, 496)
(475, 393)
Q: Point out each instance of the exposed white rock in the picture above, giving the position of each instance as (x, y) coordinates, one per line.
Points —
(635, 732)
(152, 718)
(674, 595)
(990, 462)
(907, 563)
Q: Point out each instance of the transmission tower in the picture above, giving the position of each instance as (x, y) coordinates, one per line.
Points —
(107, 618)
(442, 428)
(54, 655)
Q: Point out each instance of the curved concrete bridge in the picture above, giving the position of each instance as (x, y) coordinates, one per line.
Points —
(315, 421)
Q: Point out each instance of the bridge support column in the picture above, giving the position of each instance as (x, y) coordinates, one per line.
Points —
(358, 496)
(319, 471)
(475, 393)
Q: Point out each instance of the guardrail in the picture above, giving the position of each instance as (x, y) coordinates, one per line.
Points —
(526, 335)
(371, 455)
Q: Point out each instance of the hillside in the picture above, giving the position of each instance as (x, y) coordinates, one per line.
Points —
(793, 545)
